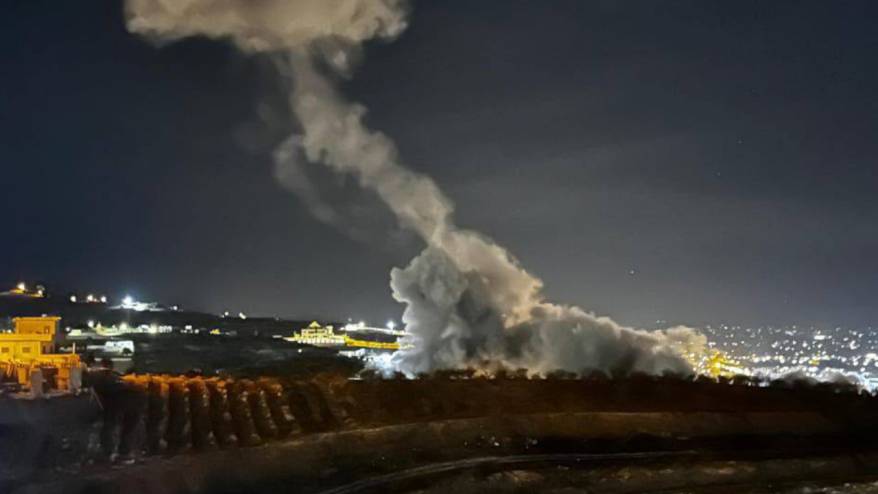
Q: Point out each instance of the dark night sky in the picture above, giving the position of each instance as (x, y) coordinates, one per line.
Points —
(723, 151)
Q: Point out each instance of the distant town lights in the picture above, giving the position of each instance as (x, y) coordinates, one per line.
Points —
(22, 287)
(73, 299)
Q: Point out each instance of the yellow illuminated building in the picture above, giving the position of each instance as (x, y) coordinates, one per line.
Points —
(318, 335)
(33, 337)
(325, 336)
(31, 346)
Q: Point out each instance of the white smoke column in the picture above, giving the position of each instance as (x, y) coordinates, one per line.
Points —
(468, 301)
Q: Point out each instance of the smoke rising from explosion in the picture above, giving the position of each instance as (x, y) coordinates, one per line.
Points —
(469, 303)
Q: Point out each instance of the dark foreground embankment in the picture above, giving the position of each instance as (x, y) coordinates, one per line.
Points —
(197, 435)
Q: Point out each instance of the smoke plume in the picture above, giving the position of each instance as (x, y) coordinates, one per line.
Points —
(469, 303)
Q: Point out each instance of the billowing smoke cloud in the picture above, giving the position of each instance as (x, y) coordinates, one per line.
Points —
(267, 25)
(470, 305)
(468, 301)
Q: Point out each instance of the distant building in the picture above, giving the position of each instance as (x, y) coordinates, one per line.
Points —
(318, 335)
(128, 303)
(325, 336)
(22, 290)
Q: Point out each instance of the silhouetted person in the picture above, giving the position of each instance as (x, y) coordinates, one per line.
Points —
(111, 393)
